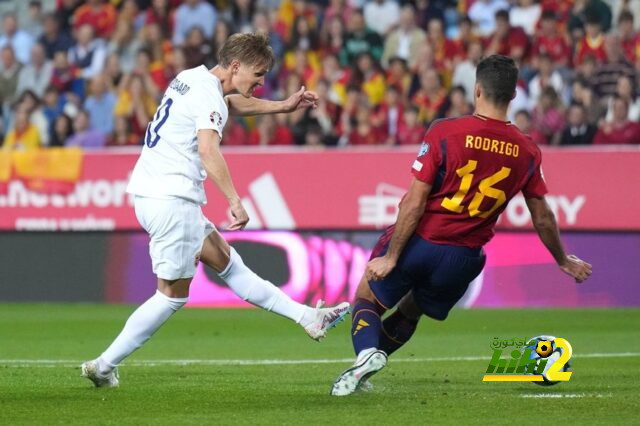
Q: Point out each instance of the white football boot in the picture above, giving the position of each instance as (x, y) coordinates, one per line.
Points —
(354, 377)
(90, 371)
(326, 319)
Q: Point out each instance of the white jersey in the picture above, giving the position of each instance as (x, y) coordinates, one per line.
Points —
(169, 165)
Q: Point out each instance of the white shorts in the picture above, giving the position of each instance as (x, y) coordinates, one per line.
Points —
(177, 229)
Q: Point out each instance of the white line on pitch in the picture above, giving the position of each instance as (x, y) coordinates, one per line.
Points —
(250, 362)
(565, 395)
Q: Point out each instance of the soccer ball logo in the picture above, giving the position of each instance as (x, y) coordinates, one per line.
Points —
(544, 348)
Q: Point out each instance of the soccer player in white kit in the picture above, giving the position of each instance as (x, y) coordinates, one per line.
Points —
(181, 148)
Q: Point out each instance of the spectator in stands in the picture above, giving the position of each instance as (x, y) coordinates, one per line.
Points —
(123, 134)
(590, 10)
(303, 36)
(314, 137)
(19, 40)
(625, 89)
(261, 25)
(31, 104)
(398, 75)
(619, 130)
(88, 53)
(404, 41)
(547, 119)
(519, 102)
(196, 49)
(161, 15)
(192, 13)
(99, 15)
(445, 51)
(466, 35)
(242, 14)
(125, 44)
(388, 115)
(629, 39)
(526, 14)
(326, 114)
(161, 55)
(64, 13)
(410, 131)
(340, 9)
(583, 94)
(37, 75)
(33, 22)
(136, 104)
(464, 73)
(430, 95)
(592, 43)
(65, 76)
(483, 14)
(295, 121)
(23, 135)
(62, 130)
(546, 76)
(578, 130)
(52, 107)
(332, 36)
(381, 15)
(360, 39)
(427, 10)
(456, 104)
(364, 132)
(9, 73)
(235, 132)
(506, 39)
(52, 38)
(224, 30)
(523, 121)
(368, 77)
(142, 70)
(83, 136)
(550, 41)
(614, 67)
(269, 131)
(100, 106)
(113, 71)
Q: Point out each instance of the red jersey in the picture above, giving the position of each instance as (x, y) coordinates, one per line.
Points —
(475, 166)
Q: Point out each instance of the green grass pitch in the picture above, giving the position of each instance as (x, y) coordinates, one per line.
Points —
(435, 379)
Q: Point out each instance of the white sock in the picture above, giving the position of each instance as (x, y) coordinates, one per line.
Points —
(140, 326)
(260, 292)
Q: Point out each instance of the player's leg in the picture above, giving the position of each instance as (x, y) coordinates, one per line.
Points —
(221, 257)
(170, 296)
(398, 327)
(176, 232)
(372, 300)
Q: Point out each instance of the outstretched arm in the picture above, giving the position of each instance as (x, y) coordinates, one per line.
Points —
(545, 224)
(239, 105)
(411, 210)
(217, 170)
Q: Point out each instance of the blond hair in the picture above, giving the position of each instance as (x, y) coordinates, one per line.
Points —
(248, 49)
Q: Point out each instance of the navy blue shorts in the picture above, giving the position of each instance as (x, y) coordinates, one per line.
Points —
(438, 274)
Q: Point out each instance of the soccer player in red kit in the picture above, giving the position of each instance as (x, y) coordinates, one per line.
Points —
(466, 172)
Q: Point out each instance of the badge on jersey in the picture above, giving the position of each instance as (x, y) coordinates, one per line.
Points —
(216, 118)
(424, 149)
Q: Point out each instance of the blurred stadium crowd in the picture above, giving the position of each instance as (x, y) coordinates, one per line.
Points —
(90, 73)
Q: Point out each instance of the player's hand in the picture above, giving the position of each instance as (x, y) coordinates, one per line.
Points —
(379, 268)
(240, 216)
(303, 98)
(577, 268)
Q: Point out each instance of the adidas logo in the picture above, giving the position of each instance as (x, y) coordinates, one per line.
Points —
(361, 324)
(266, 205)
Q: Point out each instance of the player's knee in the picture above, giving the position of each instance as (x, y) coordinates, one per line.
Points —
(175, 302)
